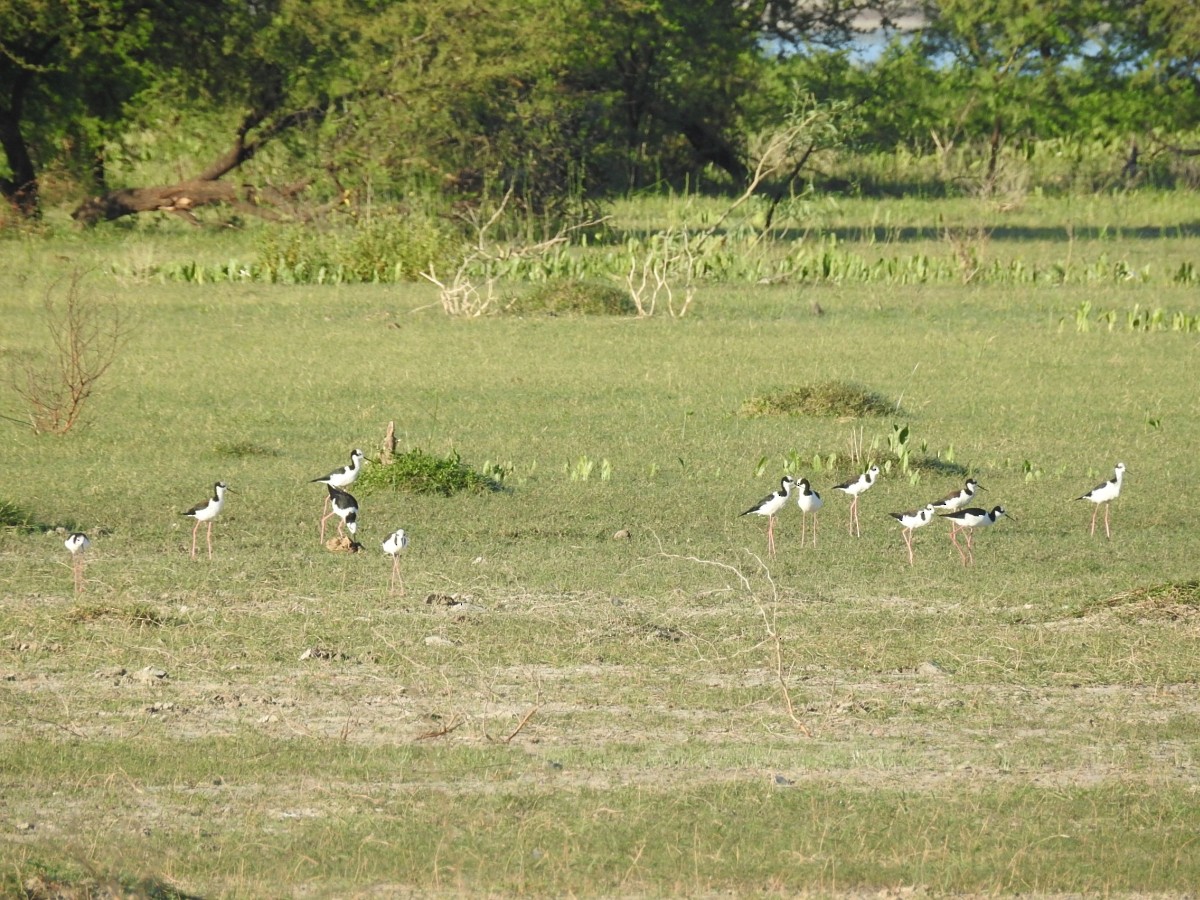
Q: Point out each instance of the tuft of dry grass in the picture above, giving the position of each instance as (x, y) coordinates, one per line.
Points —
(140, 614)
(1170, 601)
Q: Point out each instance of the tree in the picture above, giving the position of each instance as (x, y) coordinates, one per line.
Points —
(1007, 59)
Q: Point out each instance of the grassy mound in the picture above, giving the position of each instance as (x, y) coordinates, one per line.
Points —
(563, 296)
(837, 399)
(1170, 601)
(418, 472)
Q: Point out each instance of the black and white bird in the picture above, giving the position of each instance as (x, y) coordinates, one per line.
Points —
(911, 521)
(206, 512)
(392, 546)
(1103, 495)
(854, 487)
(968, 520)
(77, 543)
(345, 507)
(960, 498)
(770, 506)
(809, 501)
(341, 478)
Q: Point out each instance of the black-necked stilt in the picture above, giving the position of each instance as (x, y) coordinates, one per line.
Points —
(77, 542)
(392, 545)
(970, 519)
(956, 500)
(206, 512)
(809, 501)
(1103, 494)
(960, 498)
(911, 521)
(854, 487)
(770, 505)
(345, 507)
(341, 478)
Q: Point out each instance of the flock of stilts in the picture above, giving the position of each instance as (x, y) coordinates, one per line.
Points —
(338, 503)
(954, 506)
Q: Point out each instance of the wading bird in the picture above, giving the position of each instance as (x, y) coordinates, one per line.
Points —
(970, 519)
(770, 506)
(809, 501)
(1103, 495)
(206, 512)
(854, 487)
(392, 546)
(911, 521)
(341, 478)
(77, 542)
(345, 507)
(956, 500)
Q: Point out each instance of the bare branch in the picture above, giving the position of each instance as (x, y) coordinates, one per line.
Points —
(86, 337)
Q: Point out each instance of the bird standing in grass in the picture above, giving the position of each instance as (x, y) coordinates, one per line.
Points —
(809, 501)
(392, 546)
(340, 478)
(1103, 495)
(770, 506)
(956, 500)
(969, 519)
(345, 507)
(854, 487)
(206, 512)
(77, 542)
(911, 521)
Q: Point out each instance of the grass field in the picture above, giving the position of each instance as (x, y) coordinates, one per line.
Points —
(549, 710)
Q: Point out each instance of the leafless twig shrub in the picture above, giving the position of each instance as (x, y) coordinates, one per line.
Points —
(86, 335)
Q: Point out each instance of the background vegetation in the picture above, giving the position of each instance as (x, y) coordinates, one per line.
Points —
(340, 105)
(611, 267)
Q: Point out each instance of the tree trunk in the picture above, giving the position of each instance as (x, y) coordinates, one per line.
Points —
(22, 189)
(712, 147)
(205, 189)
(180, 199)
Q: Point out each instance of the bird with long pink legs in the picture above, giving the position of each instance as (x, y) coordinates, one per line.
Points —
(809, 501)
(339, 478)
(969, 520)
(345, 507)
(393, 545)
(1103, 495)
(956, 500)
(77, 542)
(856, 487)
(206, 512)
(912, 520)
(770, 506)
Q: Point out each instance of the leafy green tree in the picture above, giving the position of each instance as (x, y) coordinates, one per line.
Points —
(1158, 42)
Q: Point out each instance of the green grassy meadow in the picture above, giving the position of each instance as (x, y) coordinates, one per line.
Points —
(551, 711)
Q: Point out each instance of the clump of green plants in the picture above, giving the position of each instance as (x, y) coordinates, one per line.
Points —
(15, 516)
(1136, 319)
(565, 296)
(837, 399)
(383, 249)
(418, 472)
